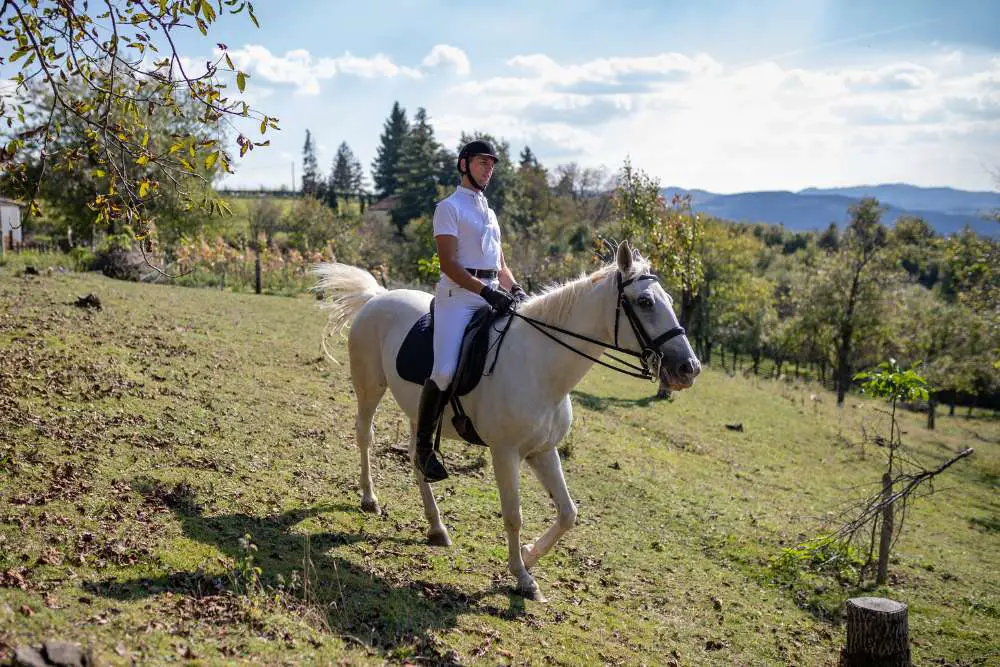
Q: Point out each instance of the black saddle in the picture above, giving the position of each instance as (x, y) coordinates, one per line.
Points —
(415, 360)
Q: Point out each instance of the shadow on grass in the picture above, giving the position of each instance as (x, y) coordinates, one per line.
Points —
(602, 403)
(385, 609)
(990, 525)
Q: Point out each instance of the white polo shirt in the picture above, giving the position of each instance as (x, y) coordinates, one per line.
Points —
(466, 215)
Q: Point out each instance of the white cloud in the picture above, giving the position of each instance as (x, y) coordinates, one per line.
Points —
(299, 69)
(442, 54)
(692, 120)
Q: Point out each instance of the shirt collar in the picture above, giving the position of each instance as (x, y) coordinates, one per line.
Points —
(472, 193)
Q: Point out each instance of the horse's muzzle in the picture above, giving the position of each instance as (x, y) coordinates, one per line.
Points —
(682, 377)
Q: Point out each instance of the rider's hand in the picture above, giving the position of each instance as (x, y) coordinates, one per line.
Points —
(518, 293)
(502, 302)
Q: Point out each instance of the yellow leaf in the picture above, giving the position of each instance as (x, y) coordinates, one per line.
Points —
(210, 160)
(143, 188)
(241, 81)
(141, 160)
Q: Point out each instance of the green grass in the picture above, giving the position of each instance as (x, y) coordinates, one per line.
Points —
(140, 443)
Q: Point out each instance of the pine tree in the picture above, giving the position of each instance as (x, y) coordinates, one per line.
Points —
(534, 180)
(385, 168)
(346, 175)
(418, 173)
(448, 175)
(528, 159)
(310, 168)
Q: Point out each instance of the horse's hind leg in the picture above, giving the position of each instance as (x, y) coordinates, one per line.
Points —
(437, 533)
(369, 387)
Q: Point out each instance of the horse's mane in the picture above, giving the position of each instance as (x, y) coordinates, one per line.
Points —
(556, 301)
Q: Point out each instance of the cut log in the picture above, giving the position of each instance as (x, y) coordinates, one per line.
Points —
(877, 634)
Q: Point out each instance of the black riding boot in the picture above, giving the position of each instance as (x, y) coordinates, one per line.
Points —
(431, 400)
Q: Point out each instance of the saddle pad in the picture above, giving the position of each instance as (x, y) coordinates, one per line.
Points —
(415, 359)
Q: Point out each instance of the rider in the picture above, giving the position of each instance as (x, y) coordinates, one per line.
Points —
(473, 270)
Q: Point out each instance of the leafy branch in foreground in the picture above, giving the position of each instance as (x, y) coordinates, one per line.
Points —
(108, 72)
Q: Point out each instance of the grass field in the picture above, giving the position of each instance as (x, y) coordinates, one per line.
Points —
(141, 443)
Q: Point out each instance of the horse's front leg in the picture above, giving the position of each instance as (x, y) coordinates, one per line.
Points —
(437, 533)
(548, 470)
(506, 467)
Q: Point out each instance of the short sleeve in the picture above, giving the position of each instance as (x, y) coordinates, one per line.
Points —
(445, 220)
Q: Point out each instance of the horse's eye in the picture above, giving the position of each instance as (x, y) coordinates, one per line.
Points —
(644, 301)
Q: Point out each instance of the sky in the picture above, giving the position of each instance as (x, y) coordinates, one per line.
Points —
(724, 96)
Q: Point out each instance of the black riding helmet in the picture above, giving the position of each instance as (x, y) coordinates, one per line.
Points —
(471, 149)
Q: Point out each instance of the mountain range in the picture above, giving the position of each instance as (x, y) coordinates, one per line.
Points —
(946, 210)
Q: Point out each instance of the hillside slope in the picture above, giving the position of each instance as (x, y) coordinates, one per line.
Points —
(141, 443)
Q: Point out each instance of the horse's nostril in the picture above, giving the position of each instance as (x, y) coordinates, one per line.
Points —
(689, 368)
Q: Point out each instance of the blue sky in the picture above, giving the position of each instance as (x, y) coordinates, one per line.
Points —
(724, 96)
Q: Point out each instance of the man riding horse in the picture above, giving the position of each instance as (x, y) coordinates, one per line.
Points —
(473, 273)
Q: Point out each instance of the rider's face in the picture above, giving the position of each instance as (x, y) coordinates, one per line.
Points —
(481, 168)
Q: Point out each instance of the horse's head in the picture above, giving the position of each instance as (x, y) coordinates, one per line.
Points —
(645, 321)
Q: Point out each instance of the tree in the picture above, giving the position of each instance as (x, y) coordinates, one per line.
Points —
(535, 187)
(448, 175)
(913, 242)
(863, 240)
(528, 159)
(264, 218)
(310, 224)
(829, 240)
(418, 173)
(346, 175)
(310, 168)
(670, 236)
(129, 66)
(70, 189)
(385, 168)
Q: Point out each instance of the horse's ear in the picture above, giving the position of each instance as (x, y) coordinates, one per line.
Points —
(624, 257)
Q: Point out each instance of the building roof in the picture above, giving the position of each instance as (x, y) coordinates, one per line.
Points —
(4, 201)
(386, 203)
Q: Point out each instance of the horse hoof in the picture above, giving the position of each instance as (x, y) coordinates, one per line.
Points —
(531, 593)
(370, 506)
(439, 539)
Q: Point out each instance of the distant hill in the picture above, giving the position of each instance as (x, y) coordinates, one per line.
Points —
(946, 210)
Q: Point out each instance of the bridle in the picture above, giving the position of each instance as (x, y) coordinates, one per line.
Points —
(649, 355)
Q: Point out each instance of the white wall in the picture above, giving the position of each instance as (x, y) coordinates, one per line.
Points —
(10, 224)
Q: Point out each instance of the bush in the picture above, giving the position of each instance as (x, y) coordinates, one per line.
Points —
(81, 259)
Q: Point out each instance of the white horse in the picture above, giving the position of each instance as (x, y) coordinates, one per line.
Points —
(523, 409)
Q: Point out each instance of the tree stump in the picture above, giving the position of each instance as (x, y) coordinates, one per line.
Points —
(877, 634)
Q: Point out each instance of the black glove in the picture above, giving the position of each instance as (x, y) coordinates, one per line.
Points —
(518, 293)
(502, 302)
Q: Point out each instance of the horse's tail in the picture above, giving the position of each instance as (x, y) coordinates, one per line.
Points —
(346, 289)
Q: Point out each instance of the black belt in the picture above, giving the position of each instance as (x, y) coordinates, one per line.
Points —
(489, 274)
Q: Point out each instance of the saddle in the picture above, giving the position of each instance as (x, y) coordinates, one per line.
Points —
(415, 360)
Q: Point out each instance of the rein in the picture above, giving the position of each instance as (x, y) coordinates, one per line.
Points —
(649, 357)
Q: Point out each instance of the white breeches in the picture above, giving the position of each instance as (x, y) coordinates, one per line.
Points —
(453, 308)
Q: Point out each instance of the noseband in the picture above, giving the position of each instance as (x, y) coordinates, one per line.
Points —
(649, 355)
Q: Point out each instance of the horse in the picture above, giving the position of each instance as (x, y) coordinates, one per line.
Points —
(523, 410)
